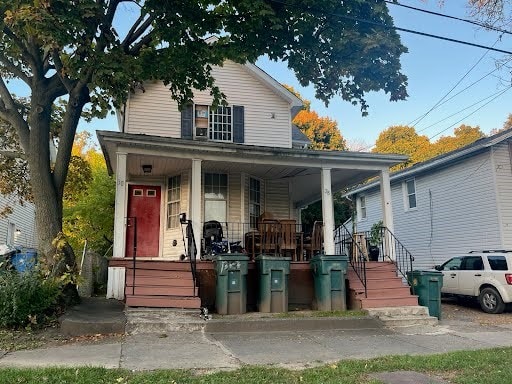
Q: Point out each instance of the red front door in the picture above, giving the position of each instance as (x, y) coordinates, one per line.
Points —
(143, 220)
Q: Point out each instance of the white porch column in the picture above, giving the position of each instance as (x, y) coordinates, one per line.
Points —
(120, 207)
(327, 212)
(115, 282)
(195, 202)
(385, 194)
(387, 211)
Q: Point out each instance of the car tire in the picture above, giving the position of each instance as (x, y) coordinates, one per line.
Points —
(491, 301)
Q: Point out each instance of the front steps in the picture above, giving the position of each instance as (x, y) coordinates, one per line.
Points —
(161, 284)
(384, 288)
(408, 316)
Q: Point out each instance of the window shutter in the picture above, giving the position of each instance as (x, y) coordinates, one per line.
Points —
(238, 124)
(187, 122)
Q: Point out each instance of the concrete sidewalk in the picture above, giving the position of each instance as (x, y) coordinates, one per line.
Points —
(199, 349)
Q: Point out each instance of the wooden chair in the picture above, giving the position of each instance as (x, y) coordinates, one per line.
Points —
(315, 244)
(269, 232)
(288, 238)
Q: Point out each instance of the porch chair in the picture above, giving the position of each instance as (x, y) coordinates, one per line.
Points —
(315, 244)
(288, 238)
(269, 231)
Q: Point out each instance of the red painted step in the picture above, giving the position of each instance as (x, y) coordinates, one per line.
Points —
(141, 280)
(159, 273)
(381, 302)
(160, 265)
(150, 290)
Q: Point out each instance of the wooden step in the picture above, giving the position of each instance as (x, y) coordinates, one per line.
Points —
(152, 290)
(378, 302)
(385, 292)
(161, 265)
(377, 283)
(374, 274)
(159, 273)
(162, 281)
(163, 301)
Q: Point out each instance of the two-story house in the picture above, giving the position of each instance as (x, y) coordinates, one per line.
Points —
(232, 164)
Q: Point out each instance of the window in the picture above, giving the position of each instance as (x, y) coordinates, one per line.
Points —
(151, 193)
(362, 208)
(498, 263)
(221, 124)
(138, 192)
(473, 263)
(410, 194)
(452, 264)
(254, 201)
(173, 202)
(215, 196)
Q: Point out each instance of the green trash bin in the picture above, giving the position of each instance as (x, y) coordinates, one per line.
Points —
(427, 285)
(329, 273)
(273, 285)
(231, 290)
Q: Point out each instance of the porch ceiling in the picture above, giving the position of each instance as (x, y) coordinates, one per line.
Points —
(302, 168)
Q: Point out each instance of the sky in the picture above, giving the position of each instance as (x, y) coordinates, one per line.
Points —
(433, 68)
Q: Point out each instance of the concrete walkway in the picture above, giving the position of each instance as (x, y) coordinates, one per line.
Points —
(224, 349)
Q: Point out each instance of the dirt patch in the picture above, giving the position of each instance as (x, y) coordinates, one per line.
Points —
(469, 310)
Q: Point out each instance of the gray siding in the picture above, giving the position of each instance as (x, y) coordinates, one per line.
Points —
(23, 218)
(456, 212)
(503, 172)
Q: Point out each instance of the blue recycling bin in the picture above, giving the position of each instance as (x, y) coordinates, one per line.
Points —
(25, 260)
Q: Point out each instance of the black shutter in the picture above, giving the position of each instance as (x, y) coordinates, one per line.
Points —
(187, 122)
(238, 124)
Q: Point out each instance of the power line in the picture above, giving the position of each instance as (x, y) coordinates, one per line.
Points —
(455, 86)
(385, 26)
(479, 24)
(472, 113)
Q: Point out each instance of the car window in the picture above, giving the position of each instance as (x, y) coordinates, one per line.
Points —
(452, 264)
(498, 263)
(472, 263)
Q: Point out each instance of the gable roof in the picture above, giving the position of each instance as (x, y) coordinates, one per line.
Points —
(298, 137)
(441, 161)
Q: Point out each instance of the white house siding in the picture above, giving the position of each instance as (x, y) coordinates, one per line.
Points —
(267, 116)
(503, 172)
(277, 197)
(23, 218)
(172, 234)
(456, 212)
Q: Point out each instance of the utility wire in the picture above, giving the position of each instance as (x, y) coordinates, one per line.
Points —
(452, 88)
(472, 113)
(385, 26)
(477, 23)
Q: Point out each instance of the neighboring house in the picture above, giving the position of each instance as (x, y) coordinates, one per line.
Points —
(454, 203)
(18, 227)
(231, 164)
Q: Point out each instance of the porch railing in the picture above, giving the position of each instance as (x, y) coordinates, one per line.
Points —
(191, 251)
(132, 222)
(346, 245)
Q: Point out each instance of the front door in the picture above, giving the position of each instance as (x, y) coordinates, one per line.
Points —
(143, 221)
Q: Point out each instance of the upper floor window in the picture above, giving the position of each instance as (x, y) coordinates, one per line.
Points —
(410, 194)
(173, 201)
(361, 211)
(221, 124)
(254, 201)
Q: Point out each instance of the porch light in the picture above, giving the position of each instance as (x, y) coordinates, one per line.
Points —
(147, 168)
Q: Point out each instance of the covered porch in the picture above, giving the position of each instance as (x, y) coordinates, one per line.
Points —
(251, 193)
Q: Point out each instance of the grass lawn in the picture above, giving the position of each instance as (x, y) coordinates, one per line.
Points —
(485, 366)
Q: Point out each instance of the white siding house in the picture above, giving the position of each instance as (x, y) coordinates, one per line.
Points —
(456, 202)
(18, 227)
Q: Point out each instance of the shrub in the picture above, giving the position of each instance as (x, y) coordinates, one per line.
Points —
(25, 298)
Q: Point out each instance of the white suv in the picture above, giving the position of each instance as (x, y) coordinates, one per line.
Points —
(486, 275)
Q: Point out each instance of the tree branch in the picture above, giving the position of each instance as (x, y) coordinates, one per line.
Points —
(59, 68)
(10, 113)
(136, 31)
(17, 71)
(142, 42)
(19, 43)
(12, 154)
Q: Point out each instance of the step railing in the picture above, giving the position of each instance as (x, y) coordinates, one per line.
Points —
(131, 221)
(191, 249)
(346, 245)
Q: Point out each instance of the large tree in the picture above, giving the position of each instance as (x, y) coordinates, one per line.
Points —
(70, 51)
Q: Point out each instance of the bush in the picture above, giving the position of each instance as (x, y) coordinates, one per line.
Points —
(25, 298)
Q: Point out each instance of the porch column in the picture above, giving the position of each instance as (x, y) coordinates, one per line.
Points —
(120, 207)
(195, 202)
(327, 212)
(116, 275)
(387, 212)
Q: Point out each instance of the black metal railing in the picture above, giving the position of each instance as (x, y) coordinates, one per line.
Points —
(345, 244)
(397, 253)
(191, 250)
(131, 222)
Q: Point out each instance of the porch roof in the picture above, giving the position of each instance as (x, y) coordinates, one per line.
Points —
(301, 166)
